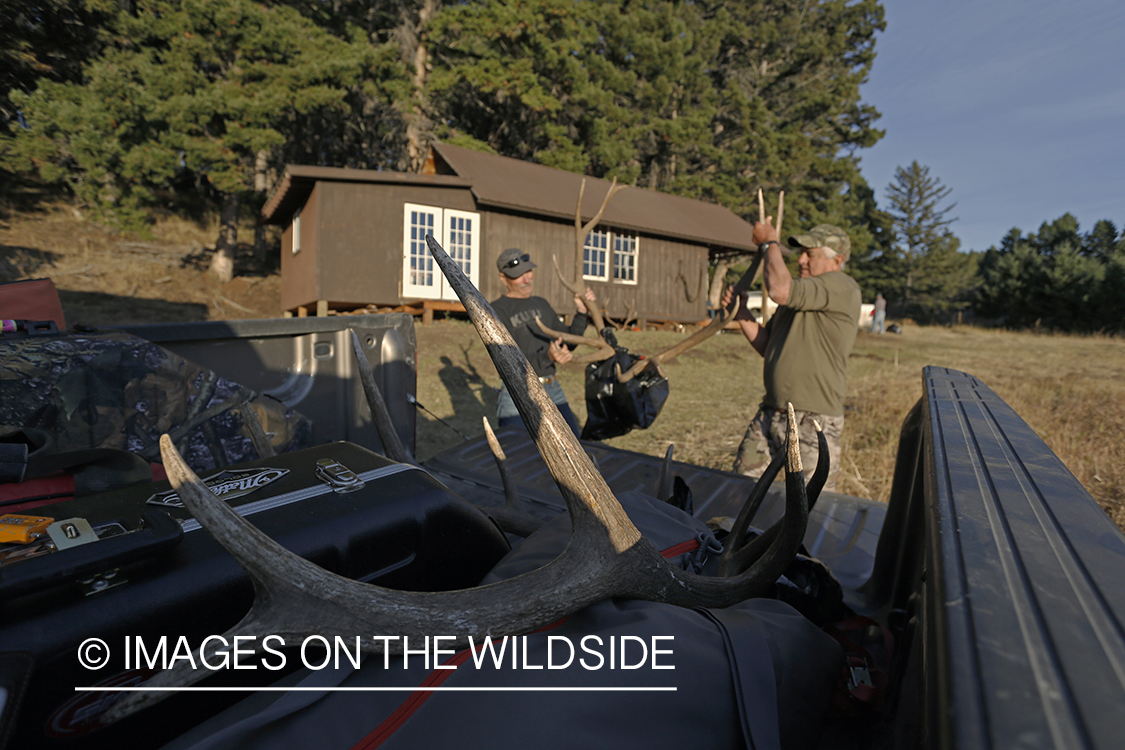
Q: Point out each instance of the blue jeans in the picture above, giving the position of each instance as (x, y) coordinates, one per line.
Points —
(506, 413)
(878, 320)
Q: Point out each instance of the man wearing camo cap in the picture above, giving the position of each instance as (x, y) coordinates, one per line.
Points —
(805, 345)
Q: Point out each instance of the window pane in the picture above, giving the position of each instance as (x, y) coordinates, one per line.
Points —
(594, 254)
(459, 243)
(421, 262)
(624, 257)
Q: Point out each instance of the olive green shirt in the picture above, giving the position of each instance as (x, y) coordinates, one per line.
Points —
(810, 338)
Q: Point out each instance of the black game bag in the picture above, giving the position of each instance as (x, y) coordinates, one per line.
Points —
(614, 408)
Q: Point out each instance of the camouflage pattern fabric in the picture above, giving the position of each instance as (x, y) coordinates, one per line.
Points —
(113, 390)
(767, 434)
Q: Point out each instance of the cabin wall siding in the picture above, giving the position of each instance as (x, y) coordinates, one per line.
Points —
(657, 294)
(360, 234)
(299, 272)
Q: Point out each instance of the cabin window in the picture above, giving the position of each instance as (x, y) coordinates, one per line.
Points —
(625, 258)
(610, 255)
(297, 232)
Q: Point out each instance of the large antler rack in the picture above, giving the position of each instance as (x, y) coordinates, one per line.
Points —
(719, 321)
(606, 557)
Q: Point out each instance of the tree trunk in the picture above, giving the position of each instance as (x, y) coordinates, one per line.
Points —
(414, 53)
(261, 185)
(718, 284)
(222, 263)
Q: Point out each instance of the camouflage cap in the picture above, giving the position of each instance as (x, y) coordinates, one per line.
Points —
(824, 235)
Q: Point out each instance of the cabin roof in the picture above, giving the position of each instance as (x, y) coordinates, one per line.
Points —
(506, 183)
(298, 180)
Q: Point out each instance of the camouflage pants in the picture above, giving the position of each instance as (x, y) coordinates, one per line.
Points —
(765, 437)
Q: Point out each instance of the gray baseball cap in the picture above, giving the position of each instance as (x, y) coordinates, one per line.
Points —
(514, 263)
(824, 235)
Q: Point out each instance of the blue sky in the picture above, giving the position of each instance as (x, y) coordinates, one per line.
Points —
(1018, 105)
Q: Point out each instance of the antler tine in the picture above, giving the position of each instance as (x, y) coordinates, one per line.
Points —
(664, 481)
(734, 560)
(392, 444)
(573, 288)
(823, 461)
(734, 553)
(676, 350)
(604, 350)
(511, 517)
(580, 232)
(570, 286)
(780, 211)
(630, 312)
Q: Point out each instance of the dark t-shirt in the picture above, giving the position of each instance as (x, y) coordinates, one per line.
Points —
(518, 316)
(810, 339)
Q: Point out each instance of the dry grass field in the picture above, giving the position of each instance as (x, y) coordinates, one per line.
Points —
(1068, 388)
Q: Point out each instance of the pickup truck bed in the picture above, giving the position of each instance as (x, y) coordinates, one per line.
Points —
(997, 573)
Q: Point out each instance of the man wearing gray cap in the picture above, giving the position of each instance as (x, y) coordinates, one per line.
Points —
(518, 310)
(805, 345)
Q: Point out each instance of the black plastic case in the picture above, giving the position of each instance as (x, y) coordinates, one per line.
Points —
(400, 529)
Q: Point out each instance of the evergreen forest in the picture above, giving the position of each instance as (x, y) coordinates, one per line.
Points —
(127, 107)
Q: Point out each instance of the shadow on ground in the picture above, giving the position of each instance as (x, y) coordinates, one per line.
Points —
(101, 309)
(23, 262)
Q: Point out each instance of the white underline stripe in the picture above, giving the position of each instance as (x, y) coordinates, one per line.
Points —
(374, 689)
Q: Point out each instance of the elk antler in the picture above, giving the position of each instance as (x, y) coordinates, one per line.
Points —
(718, 281)
(606, 556)
(388, 435)
(630, 313)
(604, 350)
(736, 556)
(581, 231)
(716, 325)
(765, 287)
(511, 516)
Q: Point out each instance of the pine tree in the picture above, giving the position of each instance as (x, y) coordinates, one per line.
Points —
(202, 88)
(707, 101)
(49, 39)
(927, 272)
(1056, 277)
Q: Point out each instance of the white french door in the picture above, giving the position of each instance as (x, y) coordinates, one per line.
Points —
(457, 231)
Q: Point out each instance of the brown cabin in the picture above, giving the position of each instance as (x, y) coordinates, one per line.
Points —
(353, 237)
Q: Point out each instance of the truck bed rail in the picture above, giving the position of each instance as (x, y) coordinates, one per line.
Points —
(1011, 578)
